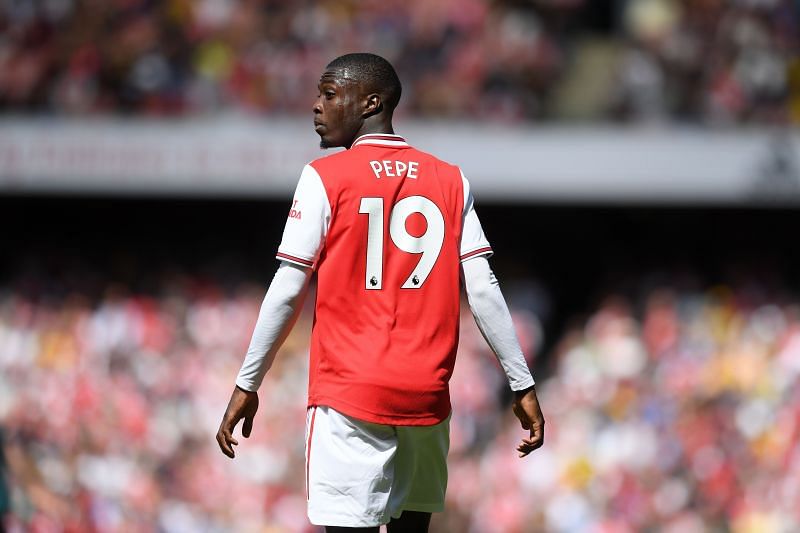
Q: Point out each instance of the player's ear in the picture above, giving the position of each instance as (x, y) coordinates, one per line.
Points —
(372, 105)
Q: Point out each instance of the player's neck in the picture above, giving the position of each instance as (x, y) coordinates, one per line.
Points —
(374, 127)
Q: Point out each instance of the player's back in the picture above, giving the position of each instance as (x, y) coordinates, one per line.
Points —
(387, 310)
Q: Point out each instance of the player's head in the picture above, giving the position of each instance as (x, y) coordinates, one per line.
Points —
(357, 95)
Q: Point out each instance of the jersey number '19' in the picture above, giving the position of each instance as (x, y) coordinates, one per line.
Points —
(429, 244)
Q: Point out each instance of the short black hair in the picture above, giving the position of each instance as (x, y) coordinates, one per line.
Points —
(376, 72)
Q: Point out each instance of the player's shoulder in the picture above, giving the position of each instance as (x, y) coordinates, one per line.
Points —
(435, 159)
(444, 169)
(338, 163)
(333, 161)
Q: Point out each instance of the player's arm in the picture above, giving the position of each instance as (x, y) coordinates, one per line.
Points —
(278, 314)
(494, 321)
(303, 236)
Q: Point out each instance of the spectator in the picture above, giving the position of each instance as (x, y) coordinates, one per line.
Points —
(707, 62)
(681, 416)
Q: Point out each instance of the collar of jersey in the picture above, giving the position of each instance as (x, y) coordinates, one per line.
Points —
(381, 139)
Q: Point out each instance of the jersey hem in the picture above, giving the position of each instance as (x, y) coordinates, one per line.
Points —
(377, 418)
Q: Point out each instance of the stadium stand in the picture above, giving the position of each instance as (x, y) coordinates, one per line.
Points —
(651, 60)
(665, 339)
(668, 381)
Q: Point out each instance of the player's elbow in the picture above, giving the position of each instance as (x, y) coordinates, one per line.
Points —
(479, 290)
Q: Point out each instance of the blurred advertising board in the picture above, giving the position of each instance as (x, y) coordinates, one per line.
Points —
(236, 156)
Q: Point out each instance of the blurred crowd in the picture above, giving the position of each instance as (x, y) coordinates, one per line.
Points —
(677, 411)
(697, 61)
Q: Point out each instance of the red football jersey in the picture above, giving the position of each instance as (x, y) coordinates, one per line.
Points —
(385, 226)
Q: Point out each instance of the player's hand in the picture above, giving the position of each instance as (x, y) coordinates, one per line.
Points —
(526, 407)
(243, 404)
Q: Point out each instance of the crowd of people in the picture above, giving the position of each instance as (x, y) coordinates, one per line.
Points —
(676, 411)
(643, 60)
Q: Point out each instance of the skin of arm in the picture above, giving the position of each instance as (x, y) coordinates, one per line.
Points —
(494, 322)
(278, 314)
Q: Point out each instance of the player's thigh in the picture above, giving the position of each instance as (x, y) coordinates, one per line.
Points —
(423, 455)
(349, 470)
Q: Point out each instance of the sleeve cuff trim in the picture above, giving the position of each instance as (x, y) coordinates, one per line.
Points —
(294, 259)
(246, 385)
(528, 383)
(485, 250)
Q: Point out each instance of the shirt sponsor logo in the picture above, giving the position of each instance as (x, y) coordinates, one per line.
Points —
(294, 212)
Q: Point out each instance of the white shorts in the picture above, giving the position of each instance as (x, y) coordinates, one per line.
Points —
(360, 474)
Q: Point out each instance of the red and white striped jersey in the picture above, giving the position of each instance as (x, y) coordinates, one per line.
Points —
(385, 226)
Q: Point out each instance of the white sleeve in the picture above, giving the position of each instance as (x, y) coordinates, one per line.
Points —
(494, 320)
(308, 220)
(279, 311)
(473, 241)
